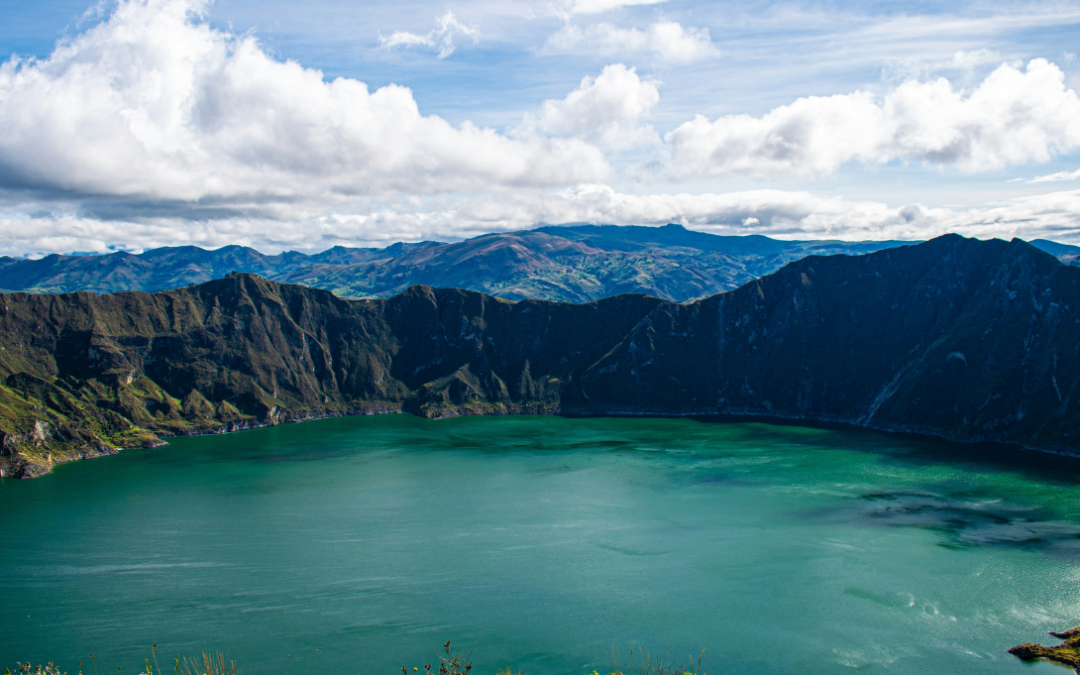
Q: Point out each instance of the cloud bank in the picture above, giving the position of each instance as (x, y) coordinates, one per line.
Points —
(777, 213)
(152, 128)
(1013, 117)
(154, 104)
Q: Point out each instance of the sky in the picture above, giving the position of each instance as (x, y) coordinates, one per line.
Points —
(133, 124)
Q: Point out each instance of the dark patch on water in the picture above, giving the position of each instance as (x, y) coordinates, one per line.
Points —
(969, 522)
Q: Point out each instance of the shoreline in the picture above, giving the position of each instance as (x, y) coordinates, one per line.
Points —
(31, 470)
(835, 424)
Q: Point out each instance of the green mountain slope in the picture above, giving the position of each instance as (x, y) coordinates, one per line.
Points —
(578, 264)
(164, 268)
(960, 338)
(570, 264)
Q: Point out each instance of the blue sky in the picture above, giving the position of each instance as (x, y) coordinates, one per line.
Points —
(304, 125)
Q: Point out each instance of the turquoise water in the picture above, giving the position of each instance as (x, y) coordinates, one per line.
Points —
(353, 546)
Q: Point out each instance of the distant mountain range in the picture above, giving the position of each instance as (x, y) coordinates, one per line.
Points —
(565, 263)
(578, 263)
(965, 339)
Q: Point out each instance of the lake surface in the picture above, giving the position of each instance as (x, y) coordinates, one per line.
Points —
(353, 546)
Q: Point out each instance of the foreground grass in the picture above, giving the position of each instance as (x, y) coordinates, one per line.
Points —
(1066, 654)
(207, 664)
(450, 663)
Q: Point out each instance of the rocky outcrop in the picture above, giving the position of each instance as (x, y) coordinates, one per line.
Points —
(959, 338)
(1066, 654)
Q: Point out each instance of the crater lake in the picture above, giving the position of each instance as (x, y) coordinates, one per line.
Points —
(545, 544)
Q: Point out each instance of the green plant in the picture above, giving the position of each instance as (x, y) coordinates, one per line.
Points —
(26, 669)
(212, 664)
(451, 664)
(660, 664)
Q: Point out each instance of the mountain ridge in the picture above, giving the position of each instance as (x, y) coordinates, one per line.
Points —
(964, 339)
(571, 263)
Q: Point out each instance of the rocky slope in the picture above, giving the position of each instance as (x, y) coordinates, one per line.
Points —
(570, 264)
(960, 338)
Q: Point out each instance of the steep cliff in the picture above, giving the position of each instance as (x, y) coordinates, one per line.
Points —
(965, 339)
(961, 338)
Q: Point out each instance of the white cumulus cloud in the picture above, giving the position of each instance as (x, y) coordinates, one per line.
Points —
(151, 128)
(664, 40)
(155, 105)
(608, 110)
(441, 38)
(1013, 117)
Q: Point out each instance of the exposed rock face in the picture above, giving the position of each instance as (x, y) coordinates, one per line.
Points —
(960, 338)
